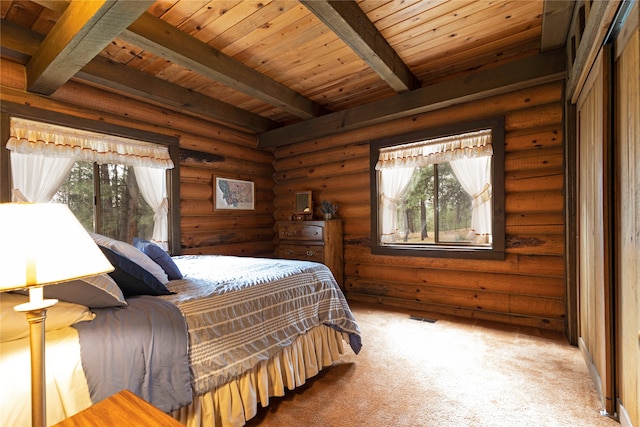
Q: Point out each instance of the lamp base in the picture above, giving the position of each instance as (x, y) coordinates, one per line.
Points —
(36, 312)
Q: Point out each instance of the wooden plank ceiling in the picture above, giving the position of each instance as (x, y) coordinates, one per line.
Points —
(269, 66)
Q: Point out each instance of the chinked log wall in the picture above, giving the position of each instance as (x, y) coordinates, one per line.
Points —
(527, 288)
(203, 229)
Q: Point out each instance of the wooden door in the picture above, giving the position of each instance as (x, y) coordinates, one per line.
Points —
(627, 167)
(595, 210)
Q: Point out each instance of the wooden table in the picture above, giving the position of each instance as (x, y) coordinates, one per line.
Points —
(121, 409)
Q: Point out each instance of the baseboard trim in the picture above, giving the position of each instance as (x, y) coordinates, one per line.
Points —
(593, 370)
(422, 306)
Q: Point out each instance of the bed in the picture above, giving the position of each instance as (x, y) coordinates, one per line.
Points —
(221, 336)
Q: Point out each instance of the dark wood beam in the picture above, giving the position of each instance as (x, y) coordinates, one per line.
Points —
(351, 24)
(144, 86)
(516, 75)
(84, 29)
(601, 15)
(163, 39)
(131, 82)
(556, 19)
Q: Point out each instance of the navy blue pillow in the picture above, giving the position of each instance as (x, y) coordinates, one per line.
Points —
(160, 257)
(131, 278)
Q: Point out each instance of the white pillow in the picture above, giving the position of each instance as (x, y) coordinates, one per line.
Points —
(94, 292)
(134, 254)
(14, 325)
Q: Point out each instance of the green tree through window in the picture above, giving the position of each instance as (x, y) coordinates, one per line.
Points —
(121, 213)
(440, 192)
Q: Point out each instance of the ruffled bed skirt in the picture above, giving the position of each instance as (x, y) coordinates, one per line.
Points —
(237, 401)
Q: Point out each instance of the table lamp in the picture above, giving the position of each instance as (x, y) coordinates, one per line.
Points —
(42, 244)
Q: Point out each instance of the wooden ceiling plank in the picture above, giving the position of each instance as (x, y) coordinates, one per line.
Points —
(350, 23)
(512, 76)
(84, 29)
(140, 84)
(263, 14)
(279, 28)
(473, 28)
(163, 39)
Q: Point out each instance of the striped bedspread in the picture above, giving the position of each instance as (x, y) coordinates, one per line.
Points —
(240, 311)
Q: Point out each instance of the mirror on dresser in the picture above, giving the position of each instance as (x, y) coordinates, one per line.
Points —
(303, 206)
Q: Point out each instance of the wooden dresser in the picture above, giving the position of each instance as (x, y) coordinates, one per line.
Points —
(319, 241)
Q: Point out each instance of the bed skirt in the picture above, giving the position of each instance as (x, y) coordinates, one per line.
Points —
(236, 402)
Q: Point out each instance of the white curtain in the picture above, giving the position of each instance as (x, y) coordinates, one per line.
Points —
(437, 150)
(153, 186)
(43, 154)
(36, 177)
(474, 175)
(29, 137)
(393, 182)
(470, 157)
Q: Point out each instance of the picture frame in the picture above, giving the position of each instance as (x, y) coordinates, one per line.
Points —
(233, 194)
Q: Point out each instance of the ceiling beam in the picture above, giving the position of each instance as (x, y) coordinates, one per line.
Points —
(556, 19)
(103, 72)
(539, 69)
(84, 29)
(163, 39)
(601, 15)
(140, 84)
(351, 24)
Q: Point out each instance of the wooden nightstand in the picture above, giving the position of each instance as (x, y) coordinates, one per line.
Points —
(319, 241)
(121, 409)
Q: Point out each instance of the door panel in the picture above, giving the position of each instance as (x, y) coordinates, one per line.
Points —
(595, 210)
(628, 225)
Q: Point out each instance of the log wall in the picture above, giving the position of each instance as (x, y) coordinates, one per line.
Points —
(204, 230)
(527, 288)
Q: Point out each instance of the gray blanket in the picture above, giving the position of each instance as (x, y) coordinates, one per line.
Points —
(238, 312)
(141, 347)
(242, 310)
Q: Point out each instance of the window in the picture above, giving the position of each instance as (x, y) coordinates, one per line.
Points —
(122, 213)
(116, 186)
(440, 192)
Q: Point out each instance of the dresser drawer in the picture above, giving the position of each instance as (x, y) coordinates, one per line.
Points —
(318, 241)
(300, 231)
(301, 252)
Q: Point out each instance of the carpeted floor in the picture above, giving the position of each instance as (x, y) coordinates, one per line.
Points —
(452, 373)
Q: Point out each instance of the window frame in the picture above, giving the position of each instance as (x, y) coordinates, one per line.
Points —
(10, 109)
(497, 249)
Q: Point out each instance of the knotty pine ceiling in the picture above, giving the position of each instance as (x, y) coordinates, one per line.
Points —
(264, 65)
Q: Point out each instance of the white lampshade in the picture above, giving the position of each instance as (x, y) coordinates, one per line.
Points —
(44, 243)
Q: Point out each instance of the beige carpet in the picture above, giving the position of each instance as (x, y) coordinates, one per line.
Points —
(451, 373)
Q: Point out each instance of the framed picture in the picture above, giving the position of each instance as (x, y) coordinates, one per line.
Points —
(234, 194)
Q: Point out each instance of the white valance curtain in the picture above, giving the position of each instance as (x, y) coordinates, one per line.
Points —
(43, 154)
(29, 137)
(437, 150)
(469, 155)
